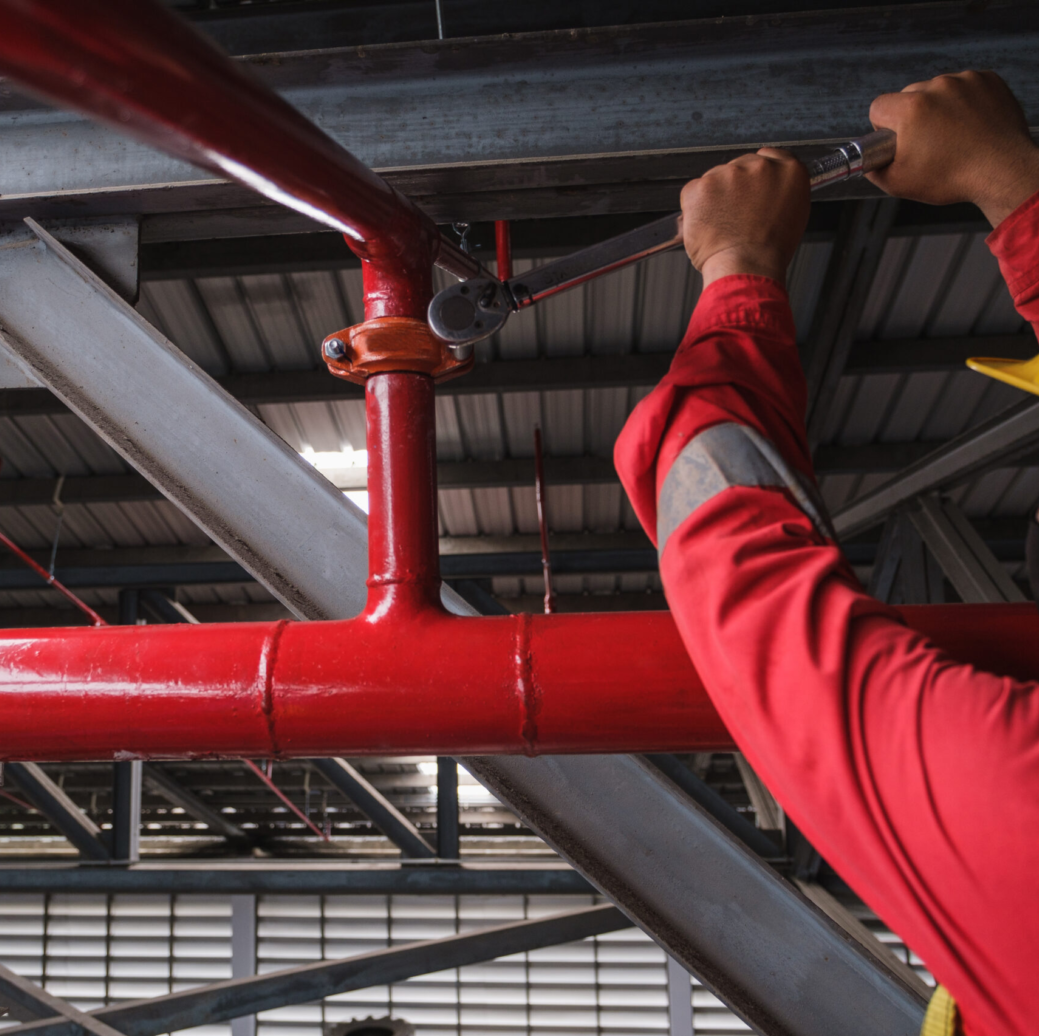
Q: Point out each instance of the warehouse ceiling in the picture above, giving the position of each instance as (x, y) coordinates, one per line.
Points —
(248, 291)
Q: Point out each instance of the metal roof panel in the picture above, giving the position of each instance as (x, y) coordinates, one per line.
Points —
(563, 410)
(669, 289)
(480, 422)
(493, 508)
(318, 295)
(279, 321)
(185, 320)
(521, 411)
(804, 283)
(458, 512)
(921, 285)
(611, 303)
(226, 303)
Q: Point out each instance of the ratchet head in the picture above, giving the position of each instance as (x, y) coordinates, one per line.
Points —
(470, 311)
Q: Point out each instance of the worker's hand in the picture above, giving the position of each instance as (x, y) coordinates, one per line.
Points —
(961, 137)
(747, 216)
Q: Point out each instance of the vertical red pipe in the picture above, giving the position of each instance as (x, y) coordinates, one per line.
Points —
(403, 546)
(396, 290)
(503, 245)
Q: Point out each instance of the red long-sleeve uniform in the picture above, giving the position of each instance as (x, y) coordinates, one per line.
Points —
(916, 777)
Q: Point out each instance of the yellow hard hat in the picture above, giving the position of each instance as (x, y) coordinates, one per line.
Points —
(1022, 374)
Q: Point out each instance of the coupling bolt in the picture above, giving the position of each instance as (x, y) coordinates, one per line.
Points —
(335, 349)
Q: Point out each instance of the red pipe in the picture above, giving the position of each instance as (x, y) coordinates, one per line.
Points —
(403, 550)
(435, 685)
(146, 72)
(503, 248)
(288, 802)
(52, 581)
(404, 677)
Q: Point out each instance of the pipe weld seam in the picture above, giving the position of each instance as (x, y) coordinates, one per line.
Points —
(526, 687)
(268, 661)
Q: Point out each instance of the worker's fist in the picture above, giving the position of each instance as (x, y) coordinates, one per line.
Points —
(747, 216)
(961, 137)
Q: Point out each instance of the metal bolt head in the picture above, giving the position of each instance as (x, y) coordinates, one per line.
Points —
(335, 349)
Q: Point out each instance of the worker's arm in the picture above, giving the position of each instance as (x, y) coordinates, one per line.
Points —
(916, 777)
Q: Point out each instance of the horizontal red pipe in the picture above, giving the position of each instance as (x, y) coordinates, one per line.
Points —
(433, 685)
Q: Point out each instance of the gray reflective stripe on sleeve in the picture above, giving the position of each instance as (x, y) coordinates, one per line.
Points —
(724, 456)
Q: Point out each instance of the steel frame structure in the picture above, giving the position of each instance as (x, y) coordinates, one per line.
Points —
(522, 685)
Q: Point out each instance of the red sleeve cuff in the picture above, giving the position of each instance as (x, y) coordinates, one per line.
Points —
(1014, 242)
(742, 300)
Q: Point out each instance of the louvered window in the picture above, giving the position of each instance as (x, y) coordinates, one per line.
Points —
(94, 950)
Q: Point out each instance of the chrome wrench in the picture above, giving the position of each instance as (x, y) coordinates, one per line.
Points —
(467, 312)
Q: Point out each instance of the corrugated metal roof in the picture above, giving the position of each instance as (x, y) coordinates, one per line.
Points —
(931, 285)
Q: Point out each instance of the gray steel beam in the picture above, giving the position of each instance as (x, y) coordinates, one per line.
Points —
(934, 355)
(125, 835)
(447, 809)
(375, 806)
(860, 243)
(232, 999)
(869, 459)
(33, 618)
(54, 307)
(252, 30)
(679, 999)
(159, 782)
(126, 811)
(992, 444)
(251, 877)
(963, 555)
(28, 998)
(243, 954)
(165, 608)
(59, 809)
(461, 558)
(707, 798)
(709, 901)
(896, 356)
(271, 387)
(591, 104)
(609, 815)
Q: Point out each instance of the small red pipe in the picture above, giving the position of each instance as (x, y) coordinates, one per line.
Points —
(288, 802)
(503, 246)
(52, 581)
(17, 801)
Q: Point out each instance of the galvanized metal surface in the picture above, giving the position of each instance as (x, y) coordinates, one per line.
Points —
(173, 423)
(28, 998)
(972, 568)
(549, 96)
(774, 958)
(247, 877)
(385, 816)
(973, 452)
(60, 810)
